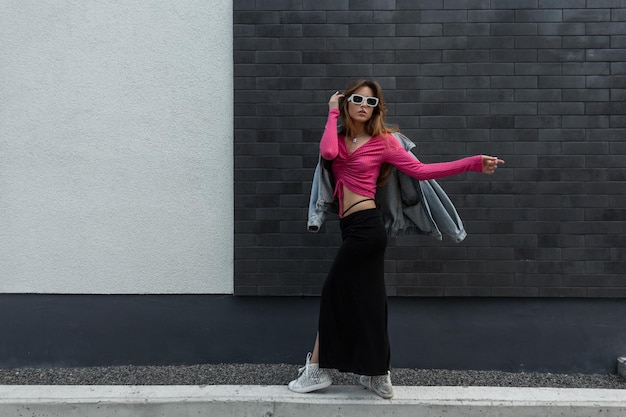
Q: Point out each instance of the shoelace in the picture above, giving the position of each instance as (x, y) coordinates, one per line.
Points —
(305, 368)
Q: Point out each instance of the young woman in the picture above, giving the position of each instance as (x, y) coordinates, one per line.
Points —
(352, 333)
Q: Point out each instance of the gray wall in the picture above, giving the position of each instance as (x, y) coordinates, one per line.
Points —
(539, 83)
(522, 334)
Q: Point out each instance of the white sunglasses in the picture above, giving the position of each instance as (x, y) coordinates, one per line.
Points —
(358, 100)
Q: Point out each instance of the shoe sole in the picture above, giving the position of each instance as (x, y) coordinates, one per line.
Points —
(310, 388)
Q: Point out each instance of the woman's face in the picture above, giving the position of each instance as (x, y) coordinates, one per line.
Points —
(361, 113)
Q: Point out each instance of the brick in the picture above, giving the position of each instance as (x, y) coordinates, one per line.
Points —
(595, 42)
(278, 57)
(302, 44)
(465, 56)
(561, 108)
(349, 17)
(529, 81)
(537, 95)
(325, 5)
(372, 5)
(554, 15)
(255, 44)
(255, 17)
(618, 15)
(561, 29)
(513, 108)
(320, 31)
(538, 122)
(618, 41)
(446, 42)
(414, 29)
(450, 122)
(587, 94)
(302, 17)
(540, 254)
(486, 68)
(430, 96)
(466, 29)
(616, 121)
(466, 82)
(442, 16)
(513, 55)
(562, 4)
(465, 109)
(499, 122)
(243, 30)
(491, 16)
(279, 5)
(588, 122)
(570, 81)
(618, 67)
(418, 57)
(560, 55)
(400, 70)
(415, 109)
(609, 135)
(396, 43)
(349, 44)
(515, 29)
(443, 69)
(371, 30)
(514, 4)
(467, 4)
(606, 28)
(413, 5)
(606, 108)
(396, 16)
(491, 42)
(563, 161)
(489, 95)
(562, 292)
(537, 42)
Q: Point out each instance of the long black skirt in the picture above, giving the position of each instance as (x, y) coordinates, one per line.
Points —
(353, 312)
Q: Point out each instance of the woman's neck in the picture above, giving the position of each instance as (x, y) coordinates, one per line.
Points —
(359, 130)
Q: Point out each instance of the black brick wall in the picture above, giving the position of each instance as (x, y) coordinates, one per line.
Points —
(540, 83)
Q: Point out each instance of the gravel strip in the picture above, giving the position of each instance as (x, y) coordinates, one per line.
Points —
(281, 374)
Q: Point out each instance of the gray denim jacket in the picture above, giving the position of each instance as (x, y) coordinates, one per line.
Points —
(408, 206)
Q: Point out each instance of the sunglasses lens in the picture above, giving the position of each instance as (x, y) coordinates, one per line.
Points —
(357, 99)
(372, 101)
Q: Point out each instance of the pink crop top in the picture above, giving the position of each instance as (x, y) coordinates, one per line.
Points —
(358, 171)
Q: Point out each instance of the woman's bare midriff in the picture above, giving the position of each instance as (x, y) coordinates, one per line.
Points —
(350, 198)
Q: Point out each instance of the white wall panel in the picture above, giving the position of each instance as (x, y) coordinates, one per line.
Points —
(116, 147)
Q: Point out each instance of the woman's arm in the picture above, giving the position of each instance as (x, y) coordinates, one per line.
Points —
(411, 166)
(329, 145)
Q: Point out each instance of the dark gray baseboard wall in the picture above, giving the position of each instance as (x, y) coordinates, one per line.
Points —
(550, 335)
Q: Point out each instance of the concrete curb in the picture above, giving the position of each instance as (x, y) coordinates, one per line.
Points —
(277, 401)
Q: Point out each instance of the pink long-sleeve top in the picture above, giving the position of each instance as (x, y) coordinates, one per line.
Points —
(358, 171)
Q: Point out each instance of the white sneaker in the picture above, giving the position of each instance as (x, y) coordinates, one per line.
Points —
(380, 384)
(311, 378)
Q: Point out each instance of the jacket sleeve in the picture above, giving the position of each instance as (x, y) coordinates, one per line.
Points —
(411, 166)
(329, 145)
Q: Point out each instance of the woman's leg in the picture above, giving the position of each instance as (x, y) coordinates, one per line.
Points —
(315, 356)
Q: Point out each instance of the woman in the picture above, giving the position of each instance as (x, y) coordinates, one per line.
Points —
(352, 334)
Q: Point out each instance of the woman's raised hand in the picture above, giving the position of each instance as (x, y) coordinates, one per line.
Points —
(490, 163)
(333, 103)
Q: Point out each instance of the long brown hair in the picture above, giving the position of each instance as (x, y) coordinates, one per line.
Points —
(375, 126)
